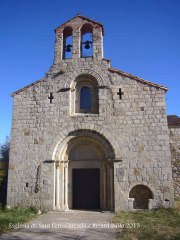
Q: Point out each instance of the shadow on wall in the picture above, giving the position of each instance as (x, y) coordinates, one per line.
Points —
(141, 195)
(3, 190)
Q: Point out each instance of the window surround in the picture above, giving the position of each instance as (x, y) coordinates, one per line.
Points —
(84, 80)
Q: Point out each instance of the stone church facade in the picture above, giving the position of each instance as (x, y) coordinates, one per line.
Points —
(174, 134)
(88, 136)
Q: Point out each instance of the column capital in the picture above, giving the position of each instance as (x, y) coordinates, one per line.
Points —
(116, 160)
(58, 164)
(66, 164)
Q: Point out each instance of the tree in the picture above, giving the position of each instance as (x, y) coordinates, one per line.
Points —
(4, 149)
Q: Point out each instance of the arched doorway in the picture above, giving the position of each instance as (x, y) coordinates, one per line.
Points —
(141, 195)
(84, 175)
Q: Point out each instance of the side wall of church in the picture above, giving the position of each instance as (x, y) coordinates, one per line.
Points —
(135, 125)
(174, 133)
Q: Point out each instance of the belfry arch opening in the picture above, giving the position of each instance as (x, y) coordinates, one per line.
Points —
(67, 43)
(87, 40)
(85, 175)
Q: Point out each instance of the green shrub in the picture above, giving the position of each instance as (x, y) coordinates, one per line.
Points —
(9, 217)
(159, 224)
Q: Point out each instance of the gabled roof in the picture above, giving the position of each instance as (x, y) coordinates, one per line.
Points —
(137, 78)
(24, 88)
(111, 70)
(173, 120)
(84, 18)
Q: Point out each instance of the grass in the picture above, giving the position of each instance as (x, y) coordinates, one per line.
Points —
(10, 217)
(161, 224)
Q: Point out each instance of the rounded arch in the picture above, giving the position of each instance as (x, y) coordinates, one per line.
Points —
(91, 136)
(100, 135)
(67, 31)
(84, 78)
(80, 150)
(96, 157)
(87, 40)
(83, 140)
(84, 102)
(83, 71)
(86, 27)
(67, 42)
(141, 194)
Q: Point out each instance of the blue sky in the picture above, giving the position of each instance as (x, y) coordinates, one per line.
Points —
(142, 37)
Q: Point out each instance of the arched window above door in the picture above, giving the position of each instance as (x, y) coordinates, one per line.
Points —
(85, 98)
(84, 95)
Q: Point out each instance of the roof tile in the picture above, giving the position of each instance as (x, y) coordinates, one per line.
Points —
(137, 78)
(173, 120)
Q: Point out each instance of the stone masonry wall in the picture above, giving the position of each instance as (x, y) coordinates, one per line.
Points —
(136, 127)
(141, 135)
(174, 133)
(76, 25)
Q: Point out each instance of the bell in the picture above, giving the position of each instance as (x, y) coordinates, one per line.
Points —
(68, 48)
(87, 46)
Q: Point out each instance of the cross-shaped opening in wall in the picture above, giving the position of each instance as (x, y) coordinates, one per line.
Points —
(50, 97)
(120, 93)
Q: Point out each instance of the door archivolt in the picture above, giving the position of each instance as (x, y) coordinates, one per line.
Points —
(86, 153)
